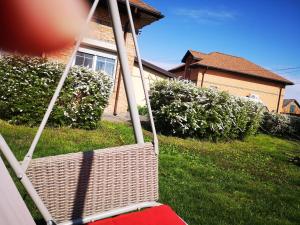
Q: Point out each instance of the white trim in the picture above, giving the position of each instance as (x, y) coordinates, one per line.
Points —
(97, 53)
(99, 44)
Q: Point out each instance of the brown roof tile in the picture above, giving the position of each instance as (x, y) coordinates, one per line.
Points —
(236, 64)
(144, 6)
(197, 55)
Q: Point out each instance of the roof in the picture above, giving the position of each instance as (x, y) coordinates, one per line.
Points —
(196, 55)
(288, 101)
(236, 64)
(145, 7)
(156, 68)
(181, 66)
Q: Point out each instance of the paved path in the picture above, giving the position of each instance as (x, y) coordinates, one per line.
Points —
(123, 117)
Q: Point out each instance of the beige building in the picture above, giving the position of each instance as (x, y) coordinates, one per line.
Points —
(291, 106)
(152, 73)
(235, 75)
(99, 52)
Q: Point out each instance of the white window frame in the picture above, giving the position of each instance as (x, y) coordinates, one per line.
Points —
(96, 53)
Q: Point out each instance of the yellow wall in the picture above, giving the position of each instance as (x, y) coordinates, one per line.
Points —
(150, 77)
(241, 86)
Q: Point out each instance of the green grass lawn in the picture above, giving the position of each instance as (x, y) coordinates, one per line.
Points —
(240, 182)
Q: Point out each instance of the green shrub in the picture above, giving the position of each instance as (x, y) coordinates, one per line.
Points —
(281, 125)
(143, 110)
(295, 123)
(182, 109)
(27, 85)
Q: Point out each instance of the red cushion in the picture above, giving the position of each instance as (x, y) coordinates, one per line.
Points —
(160, 215)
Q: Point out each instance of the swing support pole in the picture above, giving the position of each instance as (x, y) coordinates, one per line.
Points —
(118, 32)
(122, 53)
(6, 151)
(138, 55)
(61, 82)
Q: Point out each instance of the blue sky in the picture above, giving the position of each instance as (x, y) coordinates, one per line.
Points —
(265, 32)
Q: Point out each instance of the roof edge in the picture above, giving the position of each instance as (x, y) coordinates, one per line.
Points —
(291, 99)
(287, 82)
(154, 13)
(183, 60)
(155, 68)
(177, 67)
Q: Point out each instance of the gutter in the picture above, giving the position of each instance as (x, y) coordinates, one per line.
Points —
(279, 98)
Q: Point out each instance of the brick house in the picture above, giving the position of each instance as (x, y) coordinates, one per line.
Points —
(98, 50)
(235, 75)
(291, 106)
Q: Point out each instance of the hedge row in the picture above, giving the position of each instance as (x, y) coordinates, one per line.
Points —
(281, 125)
(27, 85)
(182, 109)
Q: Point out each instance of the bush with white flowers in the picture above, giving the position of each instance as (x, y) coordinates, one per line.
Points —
(27, 85)
(182, 109)
(281, 125)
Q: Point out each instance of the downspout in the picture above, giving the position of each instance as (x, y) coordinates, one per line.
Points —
(126, 29)
(203, 75)
(279, 99)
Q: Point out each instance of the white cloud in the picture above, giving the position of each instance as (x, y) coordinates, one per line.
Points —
(206, 16)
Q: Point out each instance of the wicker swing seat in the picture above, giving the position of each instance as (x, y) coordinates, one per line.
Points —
(83, 184)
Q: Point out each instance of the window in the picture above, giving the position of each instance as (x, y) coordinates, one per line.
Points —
(105, 64)
(97, 61)
(84, 59)
(292, 109)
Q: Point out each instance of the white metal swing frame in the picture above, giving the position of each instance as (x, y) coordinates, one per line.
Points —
(20, 169)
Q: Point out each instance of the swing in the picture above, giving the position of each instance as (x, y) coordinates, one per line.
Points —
(81, 188)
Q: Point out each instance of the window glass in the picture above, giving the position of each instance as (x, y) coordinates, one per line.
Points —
(106, 65)
(292, 109)
(100, 64)
(109, 69)
(84, 59)
(97, 63)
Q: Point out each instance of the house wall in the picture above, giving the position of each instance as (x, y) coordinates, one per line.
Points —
(179, 72)
(150, 77)
(192, 74)
(101, 30)
(287, 108)
(242, 86)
